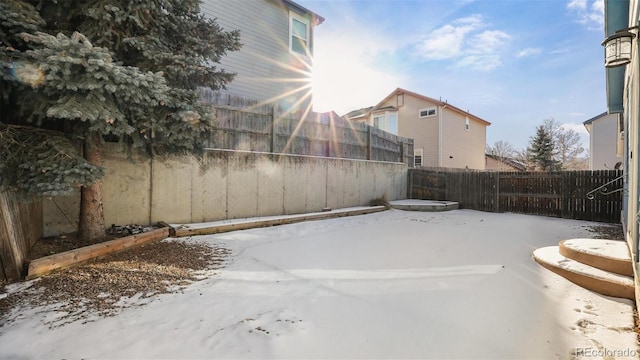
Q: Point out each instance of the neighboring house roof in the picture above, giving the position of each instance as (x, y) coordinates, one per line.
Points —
(509, 161)
(318, 19)
(358, 114)
(438, 102)
(590, 121)
(361, 113)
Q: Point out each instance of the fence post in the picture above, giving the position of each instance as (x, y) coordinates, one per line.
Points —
(410, 184)
(566, 195)
(369, 152)
(330, 139)
(496, 207)
(273, 129)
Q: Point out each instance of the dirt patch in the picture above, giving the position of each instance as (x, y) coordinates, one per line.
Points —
(607, 231)
(105, 287)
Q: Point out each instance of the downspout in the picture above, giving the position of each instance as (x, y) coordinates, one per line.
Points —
(440, 136)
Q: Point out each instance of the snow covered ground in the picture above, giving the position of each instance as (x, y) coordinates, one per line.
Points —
(396, 284)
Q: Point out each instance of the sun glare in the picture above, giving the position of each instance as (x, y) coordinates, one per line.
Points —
(343, 82)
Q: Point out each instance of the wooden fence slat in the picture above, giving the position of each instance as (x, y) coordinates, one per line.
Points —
(246, 124)
(558, 194)
(20, 228)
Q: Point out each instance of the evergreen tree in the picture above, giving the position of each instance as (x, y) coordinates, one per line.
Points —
(566, 142)
(541, 150)
(133, 77)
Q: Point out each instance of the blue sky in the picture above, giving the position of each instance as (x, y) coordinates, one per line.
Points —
(513, 63)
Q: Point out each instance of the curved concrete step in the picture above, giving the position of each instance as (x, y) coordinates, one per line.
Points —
(608, 255)
(588, 277)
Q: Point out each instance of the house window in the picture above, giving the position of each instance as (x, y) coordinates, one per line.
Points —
(298, 34)
(392, 123)
(387, 121)
(428, 112)
(378, 121)
(417, 157)
(466, 124)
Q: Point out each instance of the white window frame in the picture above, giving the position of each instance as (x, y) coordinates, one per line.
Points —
(378, 120)
(296, 17)
(430, 112)
(384, 122)
(418, 153)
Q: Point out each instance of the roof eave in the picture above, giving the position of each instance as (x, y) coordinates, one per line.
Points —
(616, 17)
(318, 19)
(438, 102)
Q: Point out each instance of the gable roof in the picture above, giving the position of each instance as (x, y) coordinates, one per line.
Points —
(399, 91)
(358, 113)
(595, 118)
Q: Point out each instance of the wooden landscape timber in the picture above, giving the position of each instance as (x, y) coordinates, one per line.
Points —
(41, 266)
(215, 229)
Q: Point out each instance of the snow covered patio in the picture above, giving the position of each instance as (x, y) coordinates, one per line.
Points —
(395, 284)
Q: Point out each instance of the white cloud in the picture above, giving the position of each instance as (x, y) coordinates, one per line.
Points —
(488, 42)
(480, 62)
(559, 51)
(446, 42)
(475, 19)
(591, 16)
(577, 5)
(528, 52)
(443, 43)
(577, 127)
(459, 40)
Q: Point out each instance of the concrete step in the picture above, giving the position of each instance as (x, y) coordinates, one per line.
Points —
(608, 255)
(589, 277)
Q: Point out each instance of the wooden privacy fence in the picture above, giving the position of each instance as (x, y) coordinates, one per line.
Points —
(20, 228)
(245, 124)
(565, 194)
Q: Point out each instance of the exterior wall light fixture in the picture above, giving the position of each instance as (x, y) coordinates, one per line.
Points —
(617, 48)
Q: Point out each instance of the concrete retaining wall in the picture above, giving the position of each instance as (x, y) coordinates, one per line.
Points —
(227, 185)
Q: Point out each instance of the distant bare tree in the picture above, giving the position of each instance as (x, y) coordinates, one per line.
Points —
(581, 163)
(502, 149)
(521, 155)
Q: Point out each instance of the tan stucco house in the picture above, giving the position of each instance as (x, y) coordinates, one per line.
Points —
(605, 141)
(444, 135)
(274, 64)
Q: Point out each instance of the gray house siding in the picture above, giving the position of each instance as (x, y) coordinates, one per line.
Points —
(265, 68)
